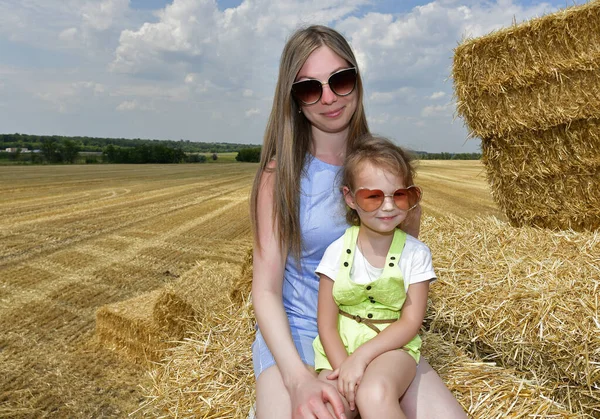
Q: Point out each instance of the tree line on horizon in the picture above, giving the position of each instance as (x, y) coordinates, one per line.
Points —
(98, 144)
(58, 149)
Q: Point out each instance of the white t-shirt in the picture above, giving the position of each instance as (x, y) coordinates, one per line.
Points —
(415, 263)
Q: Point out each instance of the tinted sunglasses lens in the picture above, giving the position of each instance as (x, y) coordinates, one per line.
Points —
(402, 198)
(307, 91)
(369, 200)
(343, 83)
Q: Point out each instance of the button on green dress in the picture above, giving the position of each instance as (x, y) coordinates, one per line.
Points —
(381, 299)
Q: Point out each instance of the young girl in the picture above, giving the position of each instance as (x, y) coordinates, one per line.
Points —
(373, 285)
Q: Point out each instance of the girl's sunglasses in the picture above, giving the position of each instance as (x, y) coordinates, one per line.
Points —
(309, 91)
(369, 200)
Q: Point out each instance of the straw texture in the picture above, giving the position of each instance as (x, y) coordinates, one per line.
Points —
(524, 297)
(142, 328)
(534, 75)
(532, 94)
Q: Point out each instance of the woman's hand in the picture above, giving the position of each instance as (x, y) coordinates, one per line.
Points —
(349, 375)
(309, 397)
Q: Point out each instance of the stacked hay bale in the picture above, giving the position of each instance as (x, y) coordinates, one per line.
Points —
(526, 298)
(532, 94)
(142, 328)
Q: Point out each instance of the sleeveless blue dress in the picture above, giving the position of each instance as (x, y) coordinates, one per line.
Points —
(322, 220)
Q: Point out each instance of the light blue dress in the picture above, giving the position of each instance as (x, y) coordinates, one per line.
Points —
(322, 220)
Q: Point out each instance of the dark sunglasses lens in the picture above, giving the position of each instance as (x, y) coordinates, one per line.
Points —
(343, 83)
(307, 91)
(369, 200)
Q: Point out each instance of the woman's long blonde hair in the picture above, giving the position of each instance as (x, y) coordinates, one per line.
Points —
(288, 133)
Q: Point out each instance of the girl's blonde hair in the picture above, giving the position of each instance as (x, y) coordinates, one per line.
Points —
(381, 153)
(288, 133)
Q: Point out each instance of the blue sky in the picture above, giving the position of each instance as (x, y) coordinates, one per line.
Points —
(205, 70)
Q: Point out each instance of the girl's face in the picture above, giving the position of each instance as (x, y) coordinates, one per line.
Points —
(388, 216)
(331, 113)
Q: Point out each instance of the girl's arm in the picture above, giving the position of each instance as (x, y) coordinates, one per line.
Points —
(307, 393)
(327, 321)
(402, 331)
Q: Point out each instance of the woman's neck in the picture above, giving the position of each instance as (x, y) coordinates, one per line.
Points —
(374, 245)
(329, 147)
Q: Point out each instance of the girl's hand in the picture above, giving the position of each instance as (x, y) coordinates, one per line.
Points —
(349, 375)
(309, 397)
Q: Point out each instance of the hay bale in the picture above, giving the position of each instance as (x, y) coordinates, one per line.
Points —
(536, 75)
(523, 297)
(142, 328)
(486, 390)
(209, 375)
(242, 286)
(128, 327)
(532, 94)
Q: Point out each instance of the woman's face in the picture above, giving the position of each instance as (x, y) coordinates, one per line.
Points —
(331, 113)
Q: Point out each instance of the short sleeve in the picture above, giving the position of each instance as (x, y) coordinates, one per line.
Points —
(416, 262)
(330, 263)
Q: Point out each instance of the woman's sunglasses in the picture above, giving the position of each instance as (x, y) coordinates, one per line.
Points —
(370, 200)
(309, 91)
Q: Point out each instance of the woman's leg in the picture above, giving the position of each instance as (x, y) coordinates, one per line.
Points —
(272, 398)
(385, 380)
(427, 397)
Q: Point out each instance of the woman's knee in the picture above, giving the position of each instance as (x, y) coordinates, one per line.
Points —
(272, 397)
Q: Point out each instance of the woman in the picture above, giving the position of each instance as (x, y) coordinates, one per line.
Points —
(297, 212)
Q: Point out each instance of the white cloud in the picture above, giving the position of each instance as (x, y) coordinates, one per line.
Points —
(68, 35)
(437, 110)
(209, 74)
(437, 95)
(102, 15)
(134, 105)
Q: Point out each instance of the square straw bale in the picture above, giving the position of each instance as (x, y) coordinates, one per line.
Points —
(143, 327)
(535, 75)
(525, 298)
(128, 327)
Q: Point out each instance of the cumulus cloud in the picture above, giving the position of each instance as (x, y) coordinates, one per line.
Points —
(437, 95)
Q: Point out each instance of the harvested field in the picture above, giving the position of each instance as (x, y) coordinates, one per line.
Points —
(77, 239)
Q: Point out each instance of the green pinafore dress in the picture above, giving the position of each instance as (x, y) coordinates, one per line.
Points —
(361, 304)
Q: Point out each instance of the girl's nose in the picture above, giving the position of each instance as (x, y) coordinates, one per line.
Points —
(388, 203)
(328, 97)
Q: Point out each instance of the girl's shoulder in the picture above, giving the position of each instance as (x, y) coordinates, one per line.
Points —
(414, 245)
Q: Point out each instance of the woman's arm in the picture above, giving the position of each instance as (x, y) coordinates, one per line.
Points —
(412, 223)
(327, 321)
(307, 393)
(402, 331)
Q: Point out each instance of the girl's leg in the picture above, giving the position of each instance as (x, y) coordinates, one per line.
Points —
(385, 380)
(272, 398)
(349, 413)
(428, 397)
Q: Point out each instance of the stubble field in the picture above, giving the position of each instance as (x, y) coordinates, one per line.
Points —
(75, 238)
